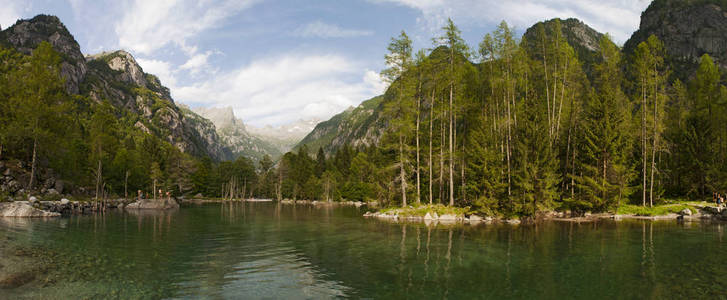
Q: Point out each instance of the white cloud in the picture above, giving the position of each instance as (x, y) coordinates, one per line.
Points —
(618, 17)
(11, 11)
(161, 69)
(279, 90)
(150, 25)
(324, 30)
(196, 63)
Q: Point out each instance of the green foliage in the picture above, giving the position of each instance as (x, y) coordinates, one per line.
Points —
(659, 210)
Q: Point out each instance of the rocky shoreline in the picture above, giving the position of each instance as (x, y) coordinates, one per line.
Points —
(44, 209)
(343, 203)
(704, 213)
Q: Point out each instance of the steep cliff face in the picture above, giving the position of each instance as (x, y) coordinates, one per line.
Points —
(26, 35)
(235, 136)
(117, 77)
(688, 29)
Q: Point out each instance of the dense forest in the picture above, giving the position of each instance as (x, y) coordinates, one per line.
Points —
(510, 127)
(94, 147)
(515, 127)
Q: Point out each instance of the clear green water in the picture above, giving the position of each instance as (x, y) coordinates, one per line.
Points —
(271, 251)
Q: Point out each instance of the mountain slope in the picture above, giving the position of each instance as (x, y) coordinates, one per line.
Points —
(117, 77)
(364, 125)
(355, 126)
(235, 136)
(584, 40)
(284, 137)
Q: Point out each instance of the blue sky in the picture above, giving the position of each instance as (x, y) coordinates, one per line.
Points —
(278, 61)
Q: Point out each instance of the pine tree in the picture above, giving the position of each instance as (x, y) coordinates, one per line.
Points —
(400, 109)
(604, 145)
(39, 103)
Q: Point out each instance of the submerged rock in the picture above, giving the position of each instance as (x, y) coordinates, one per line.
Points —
(153, 204)
(23, 209)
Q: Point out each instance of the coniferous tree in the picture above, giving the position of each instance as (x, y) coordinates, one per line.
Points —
(604, 144)
(400, 109)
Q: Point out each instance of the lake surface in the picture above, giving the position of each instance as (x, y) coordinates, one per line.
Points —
(274, 251)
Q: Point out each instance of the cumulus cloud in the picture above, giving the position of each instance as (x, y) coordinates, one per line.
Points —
(147, 26)
(197, 63)
(161, 69)
(325, 30)
(618, 17)
(281, 89)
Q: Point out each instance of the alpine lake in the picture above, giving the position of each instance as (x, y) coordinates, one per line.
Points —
(268, 250)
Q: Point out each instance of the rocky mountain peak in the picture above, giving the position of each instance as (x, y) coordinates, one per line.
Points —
(26, 35)
(123, 62)
(688, 29)
(584, 39)
(222, 117)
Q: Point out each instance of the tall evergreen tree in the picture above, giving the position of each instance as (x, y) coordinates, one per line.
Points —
(400, 109)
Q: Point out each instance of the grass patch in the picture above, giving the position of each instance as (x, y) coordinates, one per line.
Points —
(421, 210)
(659, 210)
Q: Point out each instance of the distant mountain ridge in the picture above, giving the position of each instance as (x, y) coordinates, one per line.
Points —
(254, 142)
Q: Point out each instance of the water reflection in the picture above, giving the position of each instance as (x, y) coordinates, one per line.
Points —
(259, 250)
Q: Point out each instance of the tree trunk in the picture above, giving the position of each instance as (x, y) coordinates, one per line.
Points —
(507, 151)
(643, 141)
(419, 191)
(402, 172)
(441, 157)
(451, 144)
(431, 123)
(653, 146)
(33, 164)
(98, 179)
(126, 185)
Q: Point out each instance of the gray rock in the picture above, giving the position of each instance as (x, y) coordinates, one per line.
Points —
(686, 212)
(32, 199)
(59, 185)
(688, 30)
(52, 192)
(428, 217)
(153, 204)
(512, 221)
(22, 209)
(65, 201)
(448, 217)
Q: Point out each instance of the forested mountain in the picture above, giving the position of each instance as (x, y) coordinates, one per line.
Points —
(356, 126)
(117, 78)
(560, 119)
(71, 122)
